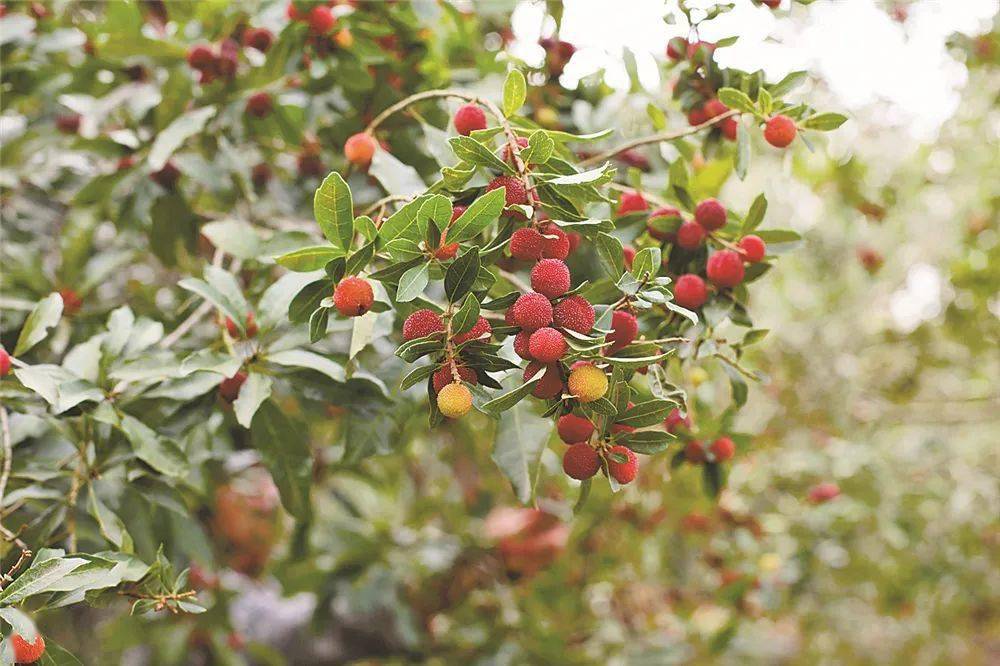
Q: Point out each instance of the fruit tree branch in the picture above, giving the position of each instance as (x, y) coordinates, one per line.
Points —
(657, 138)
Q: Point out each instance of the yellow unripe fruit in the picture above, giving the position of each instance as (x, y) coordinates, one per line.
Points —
(454, 400)
(548, 117)
(588, 383)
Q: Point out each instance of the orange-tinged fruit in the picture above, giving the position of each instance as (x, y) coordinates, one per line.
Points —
(454, 401)
(588, 383)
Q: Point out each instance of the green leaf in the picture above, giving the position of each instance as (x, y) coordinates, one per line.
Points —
(650, 412)
(777, 236)
(234, 237)
(160, 453)
(37, 579)
(413, 282)
(174, 135)
(402, 223)
(300, 358)
(334, 211)
(255, 390)
(648, 260)
(502, 403)
(584, 494)
(36, 327)
(216, 298)
(738, 100)
(469, 150)
(610, 251)
(308, 299)
(520, 439)
(416, 375)
(438, 209)
(646, 442)
(309, 258)
(461, 275)
(789, 83)
(318, 322)
(824, 122)
(539, 150)
(284, 448)
(466, 317)
(742, 150)
(756, 214)
(483, 211)
(656, 117)
(360, 259)
(515, 89)
(108, 522)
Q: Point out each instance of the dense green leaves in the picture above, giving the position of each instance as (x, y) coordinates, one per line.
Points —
(334, 211)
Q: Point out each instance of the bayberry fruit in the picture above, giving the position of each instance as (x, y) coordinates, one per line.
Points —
(200, 57)
(258, 38)
(780, 131)
(71, 301)
(723, 449)
(623, 472)
(690, 291)
(572, 428)
(823, 492)
(532, 311)
(710, 214)
(555, 242)
(166, 177)
(628, 256)
(515, 192)
(574, 313)
(521, 345)
(479, 329)
(454, 400)
(25, 652)
(359, 149)
(321, 20)
(694, 452)
(624, 329)
(587, 382)
(753, 248)
(550, 277)
(690, 235)
(714, 107)
(666, 216)
(631, 202)
(547, 345)
(259, 105)
(353, 296)
(725, 268)
(675, 420)
(526, 244)
(4, 362)
(581, 461)
(422, 323)
(229, 389)
(469, 118)
(550, 385)
(443, 376)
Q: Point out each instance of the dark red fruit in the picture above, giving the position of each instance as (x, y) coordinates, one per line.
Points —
(572, 428)
(710, 214)
(725, 268)
(690, 235)
(623, 472)
(780, 131)
(625, 329)
(581, 461)
(515, 192)
(690, 291)
(469, 118)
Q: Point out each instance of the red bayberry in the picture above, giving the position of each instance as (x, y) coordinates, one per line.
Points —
(532, 311)
(259, 105)
(166, 177)
(574, 241)
(292, 12)
(445, 250)
(515, 192)
(310, 164)
(555, 242)
(443, 376)
(779, 131)
(508, 153)
(359, 149)
(422, 323)
(690, 291)
(581, 461)
(526, 244)
(229, 389)
(4, 362)
(631, 202)
(628, 255)
(521, 345)
(730, 126)
(353, 296)
(690, 235)
(71, 301)
(677, 48)
(258, 38)
(823, 492)
(550, 385)
(623, 472)
(228, 59)
(479, 329)
(697, 116)
(200, 57)
(675, 420)
(723, 449)
(260, 175)
(714, 107)
(725, 268)
(668, 213)
(574, 313)
(25, 652)
(550, 277)
(68, 123)
(753, 248)
(573, 428)
(624, 327)
(321, 20)
(694, 452)
(547, 345)
(710, 214)
(468, 118)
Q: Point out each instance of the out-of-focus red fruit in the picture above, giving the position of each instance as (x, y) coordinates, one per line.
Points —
(753, 248)
(247, 520)
(663, 217)
(469, 118)
(628, 254)
(25, 652)
(723, 449)
(631, 202)
(690, 235)
(823, 492)
(258, 38)
(528, 540)
(71, 301)
(730, 128)
(68, 123)
(694, 452)
(321, 20)
(4, 362)
(229, 389)
(690, 291)
(725, 268)
(259, 105)
(200, 56)
(359, 149)
(167, 177)
(677, 48)
(260, 175)
(675, 421)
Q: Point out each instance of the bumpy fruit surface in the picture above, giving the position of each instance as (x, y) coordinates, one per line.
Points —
(531, 311)
(359, 149)
(723, 449)
(421, 324)
(353, 296)
(574, 313)
(690, 291)
(454, 400)
(690, 235)
(521, 345)
(550, 277)
(445, 250)
(573, 428)
(624, 329)
(550, 385)
(321, 20)
(660, 234)
(547, 345)
(725, 268)
(581, 461)
(229, 389)
(259, 105)
(631, 202)
(730, 128)
(555, 242)
(753, 248)
(623, 472)
(479, 329)
(710, 214)
(514, 193)
(526, 244)
(588, 382)
(780, 131)
(25, 652)
(443, 376)
(4, 362)
(675, 420)
(469, 118)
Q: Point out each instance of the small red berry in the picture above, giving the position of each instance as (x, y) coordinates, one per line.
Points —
(532, 311)
(229, 389)
(694, 452)
(710, 214)
(572, 428)
(725, 268)
(353, 296)
(555, 242)
(71, 301)
(521, 345)
(25, 652)
(628, 255)
(4, 362)
(479, 329)
(422, 323)
(623, 472)
(581, 461)
(515, 192)
(823, 492)
(675, 420)
(508, 153)
(690, 235)
(550, 277)
(780, 131)
(234, 330)
(443, 376)
(259, 105)
(469, 118)
(547, 345)
(68, 123)
(309, 164)
(200, 56)
(527, 244)
(292, 12)
(631, 202)
(753, 248)
(258, 38)
(359, 149)
(714, 107)
(677, 48)
(550, 385)
(574, 313)
(321, 20)
(697, 116)
(730, 127)
(668, 213)
(166, 177)
(723, 449)
(690, 291)
(260, 175)
(625, 329)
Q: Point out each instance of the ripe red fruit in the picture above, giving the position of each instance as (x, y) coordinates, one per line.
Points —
(823, 492)
(445, 251)
(690, 291)
(359, 149)
(292, 12)
(4, 362)
(723, 449)
(574, 313)
(547, 345)
(229, 389)
(478, 330)
(725, 268)
(677, 48)
(660, 234)
(229, 58)
(675, 420)
(200, 57)
(555, 242)
(234, 330)
(773, 4)
(634, 158)
(521, 345)
(573, 428)
(321, 20)
(166, 177)
(631, 202)
(694, 452)
(779, 131)
(628, 255)
(309, 164)
(515, 192)
(258, 38)
(753, 248)
(710, 214)
(71, 301)
(625, 329)
(68, 123)
(550, 277)
(697, 116)
(574, 241)
(353, 296)
(526, 244)
(531, 311)
(581, 461)
(623, 472)
(729, 127)
(690, 235)
(259, 105)
(443, 376)
(25, 652)
(422, 323)
(714, 107)
(468, 118)
(260, 175)
(551, 384)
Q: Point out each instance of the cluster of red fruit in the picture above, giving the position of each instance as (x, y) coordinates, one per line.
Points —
(215, 63)
(719, 450)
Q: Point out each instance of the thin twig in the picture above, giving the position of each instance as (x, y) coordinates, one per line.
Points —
(8, 453)
(200, 311)
(392, 198)
(657, 138)
(513, 279)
